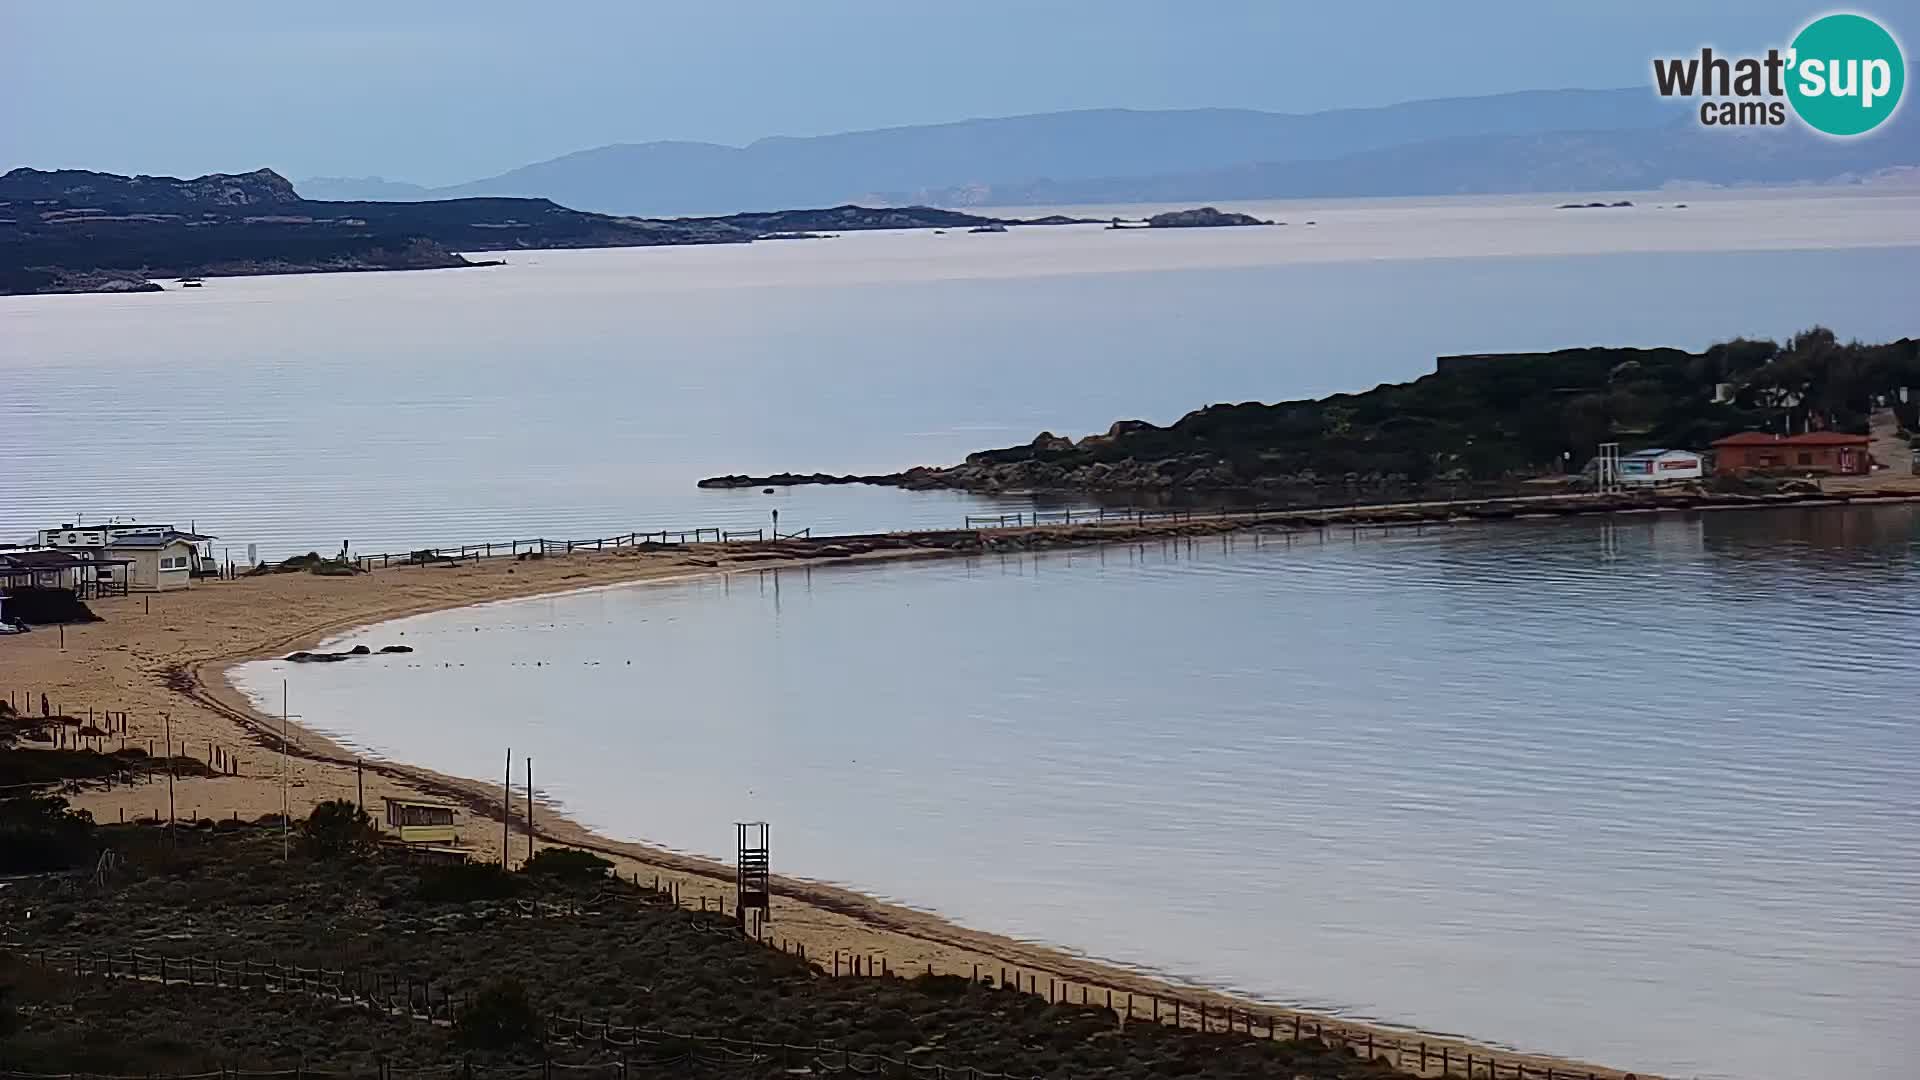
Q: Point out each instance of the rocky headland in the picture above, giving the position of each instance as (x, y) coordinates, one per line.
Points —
(1481, 424)
(77, 231)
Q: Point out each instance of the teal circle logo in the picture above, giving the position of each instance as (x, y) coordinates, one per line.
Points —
(1846, 74)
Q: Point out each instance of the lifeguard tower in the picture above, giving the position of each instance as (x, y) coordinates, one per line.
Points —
(751, 889)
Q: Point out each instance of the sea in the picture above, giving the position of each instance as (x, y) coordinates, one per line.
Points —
(579, 394)
(1638, 790)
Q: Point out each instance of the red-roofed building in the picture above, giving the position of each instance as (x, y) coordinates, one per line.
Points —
(1830, 453)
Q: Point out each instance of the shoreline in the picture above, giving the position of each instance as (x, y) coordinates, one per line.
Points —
(300, 610)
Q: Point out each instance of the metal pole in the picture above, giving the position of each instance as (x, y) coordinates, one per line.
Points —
(168, 718)
(506, 808)
(286, 839)
(529, 809)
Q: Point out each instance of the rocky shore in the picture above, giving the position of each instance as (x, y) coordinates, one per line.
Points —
(1480, 424)
(77, 231)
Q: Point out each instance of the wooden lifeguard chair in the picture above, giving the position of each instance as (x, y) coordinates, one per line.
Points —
(751, 888)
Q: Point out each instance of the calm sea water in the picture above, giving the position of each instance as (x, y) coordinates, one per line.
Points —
(577, 394)
(1641, 791)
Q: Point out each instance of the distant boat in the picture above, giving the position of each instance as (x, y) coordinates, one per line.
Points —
(991, 226)
(190, 283)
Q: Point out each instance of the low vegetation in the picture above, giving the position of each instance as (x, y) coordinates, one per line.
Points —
(1479, 419)
(311, 563)
(338, 829)
(567, 864)
(500, 1017)
(503, 955)
(39, 833)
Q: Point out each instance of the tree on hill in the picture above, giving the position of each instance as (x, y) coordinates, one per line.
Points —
(338, 829)
(1510, 416)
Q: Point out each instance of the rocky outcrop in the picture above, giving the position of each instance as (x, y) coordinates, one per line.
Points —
(1205, 217)
(70, 231)
(348, 654)
(742, 480)
(148, 194)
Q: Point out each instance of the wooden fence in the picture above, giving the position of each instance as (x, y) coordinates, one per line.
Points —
(414, 999)
(540, 546)
(707, 535)
(1405, 1051)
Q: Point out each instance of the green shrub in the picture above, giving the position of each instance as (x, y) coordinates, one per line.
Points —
(310, 563)
(337, 829)
(566, 864)
(466, 882)
(499, 1017)
(40, 833)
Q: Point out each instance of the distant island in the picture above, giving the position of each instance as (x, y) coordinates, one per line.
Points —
(1594, 205)
(1206, 217)
(75, 231)
(1478, 423)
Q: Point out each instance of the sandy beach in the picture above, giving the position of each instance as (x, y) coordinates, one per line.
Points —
(161, 659)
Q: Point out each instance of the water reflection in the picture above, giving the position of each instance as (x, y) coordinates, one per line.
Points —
(1639, 790)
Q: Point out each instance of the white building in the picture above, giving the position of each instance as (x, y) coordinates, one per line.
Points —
(1661, 466)
(93, 536)
(157, 561)
(149, 558)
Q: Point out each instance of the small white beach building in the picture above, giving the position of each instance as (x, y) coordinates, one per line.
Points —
(1661, 466)
(157, 562)
(150, 558)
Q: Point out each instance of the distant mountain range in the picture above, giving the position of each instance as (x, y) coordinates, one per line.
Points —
(1545, 140)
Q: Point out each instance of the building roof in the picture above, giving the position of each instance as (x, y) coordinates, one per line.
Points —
(48, 559)
(1805, 438)
(131, 528)
(1826, 438)
(39, 560)
(436, 804)
(148, 540)
(1648, 455)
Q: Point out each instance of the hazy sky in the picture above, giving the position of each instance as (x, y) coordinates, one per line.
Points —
(443, 92)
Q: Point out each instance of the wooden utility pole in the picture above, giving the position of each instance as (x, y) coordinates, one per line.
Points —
(506, 809)
(286, 809)
(168, 719)
(529, 809)
(286, 840)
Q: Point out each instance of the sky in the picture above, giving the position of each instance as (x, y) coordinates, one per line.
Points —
(442, 92)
